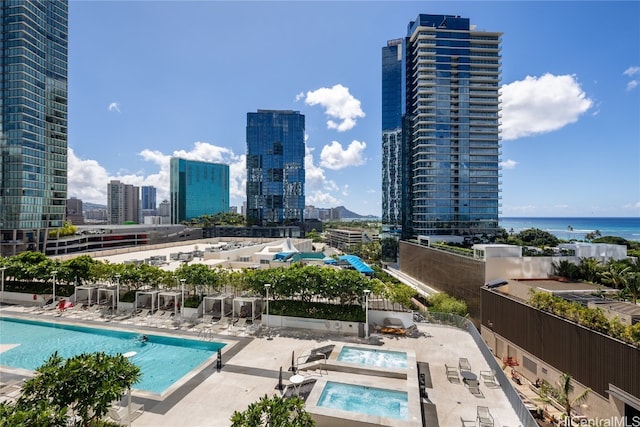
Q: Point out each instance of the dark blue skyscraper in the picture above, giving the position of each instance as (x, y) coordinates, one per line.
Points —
(275, 167)
(392, 152)
(33, 122)
(148, 200)
(440, 133)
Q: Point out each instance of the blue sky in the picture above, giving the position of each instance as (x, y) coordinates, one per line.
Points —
(153, 79)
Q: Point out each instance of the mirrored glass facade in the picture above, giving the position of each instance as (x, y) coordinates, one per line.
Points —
(275, 167)
(197, 188)
(450, 116)
(33, 122)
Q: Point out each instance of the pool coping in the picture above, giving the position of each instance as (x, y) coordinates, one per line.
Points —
(397, 379)
(174, 393)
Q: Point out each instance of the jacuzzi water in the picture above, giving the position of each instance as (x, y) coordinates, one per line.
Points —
(373, 357)
(365, 400)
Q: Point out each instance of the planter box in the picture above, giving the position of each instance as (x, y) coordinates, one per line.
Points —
(322, 325)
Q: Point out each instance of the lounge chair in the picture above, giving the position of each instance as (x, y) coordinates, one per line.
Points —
(140, 315)
(464, 365)
(122, 315)
(452, 373)
(474, 388)
(120, 414)
(241, 323)
(489, 378)
(484, 417)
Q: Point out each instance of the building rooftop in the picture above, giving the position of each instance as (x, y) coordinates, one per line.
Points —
(251, 365)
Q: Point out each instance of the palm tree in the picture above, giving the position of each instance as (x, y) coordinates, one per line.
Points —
(563, 391)
(632, 285)
(569, 230)
(616, 275)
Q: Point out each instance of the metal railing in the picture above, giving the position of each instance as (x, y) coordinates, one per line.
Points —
(505, 384)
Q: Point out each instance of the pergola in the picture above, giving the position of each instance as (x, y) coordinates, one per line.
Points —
(86, 295)
(107, 297)
(249, 307)
(170, 301)
(218, 305)
(147, 299)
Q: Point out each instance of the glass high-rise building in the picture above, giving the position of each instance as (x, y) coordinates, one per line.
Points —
(33, 122)
(275, 168)
(197, 188)
(148, 201)
(440, 133)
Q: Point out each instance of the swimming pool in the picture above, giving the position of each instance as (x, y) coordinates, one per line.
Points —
(373, 357)
(162, 360)
(365, 400)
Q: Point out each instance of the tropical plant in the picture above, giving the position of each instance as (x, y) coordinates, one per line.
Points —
(443, 303)
(589, 269)
(274, 411)
(616, 275)
(83, 386)
(563, 391)
(566, 269)
(535, 237)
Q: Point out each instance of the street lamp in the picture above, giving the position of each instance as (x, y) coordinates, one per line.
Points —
(182, 299)
(366, 312)
(267, 286)
(53, 273)
(2, 269)
(129, 355)
(117, 291)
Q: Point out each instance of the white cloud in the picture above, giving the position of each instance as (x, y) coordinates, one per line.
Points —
(318, 188)
(88, 179)
(333, 156)
(508, 164)
(630, 72)
(543, 104)
(114, 106)
(339, 104)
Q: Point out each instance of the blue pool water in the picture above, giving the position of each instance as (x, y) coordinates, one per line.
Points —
(162, 360)
(365, 400)
(373, 357)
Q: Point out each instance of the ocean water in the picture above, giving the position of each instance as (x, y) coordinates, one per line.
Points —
(577, 228)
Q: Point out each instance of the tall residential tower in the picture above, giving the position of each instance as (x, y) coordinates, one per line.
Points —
(275, 168)
(33, 122)
(123, 203)
(197, 188)
(441, 142)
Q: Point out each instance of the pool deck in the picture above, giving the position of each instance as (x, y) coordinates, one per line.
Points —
(251, 369)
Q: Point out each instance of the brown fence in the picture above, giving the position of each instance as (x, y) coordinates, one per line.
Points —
(457, 275)
(592, 358)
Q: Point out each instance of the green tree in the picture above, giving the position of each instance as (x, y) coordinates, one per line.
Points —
(314, 236)
(589, 269)
(42, 414)
(615, 275)
(563, 394)
(536, 237)
(83, 385)
(274, 411)
(443, 303)
(565, 269)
